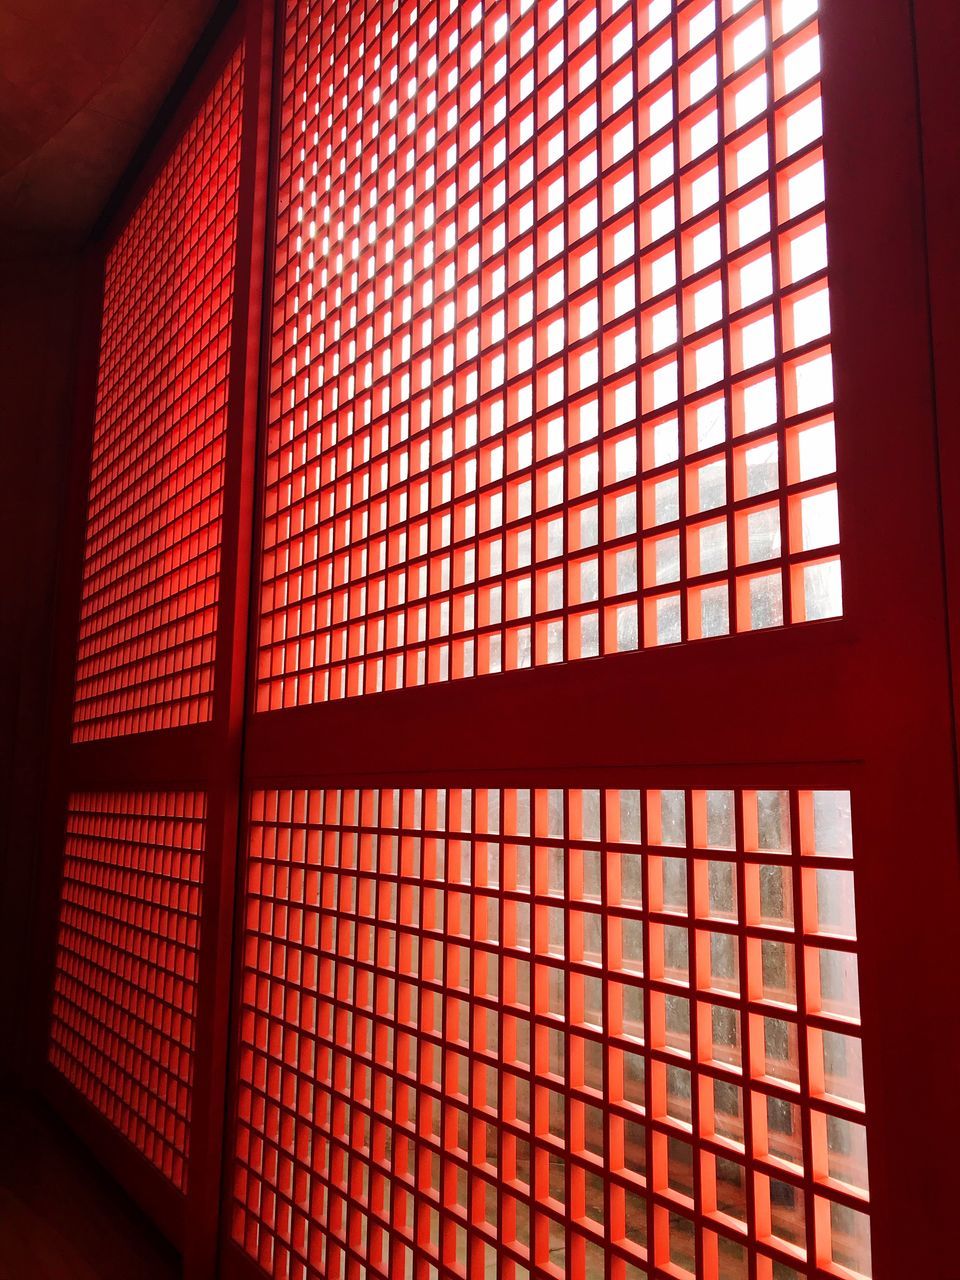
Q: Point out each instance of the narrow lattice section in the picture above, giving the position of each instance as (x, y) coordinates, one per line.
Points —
(551, 370)
(152, 557)
(601, 1034)
(125, 988)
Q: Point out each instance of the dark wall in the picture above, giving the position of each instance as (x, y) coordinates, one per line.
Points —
(80, 84)
(39, 317)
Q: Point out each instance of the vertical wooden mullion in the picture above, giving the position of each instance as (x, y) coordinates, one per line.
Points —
(213, 1020)
(905, 819)
(265, 212)
(936, 33)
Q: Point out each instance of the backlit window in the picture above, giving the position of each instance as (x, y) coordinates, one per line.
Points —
(596, 1033)
(550, 365)
(124, 1003)
(152, 556)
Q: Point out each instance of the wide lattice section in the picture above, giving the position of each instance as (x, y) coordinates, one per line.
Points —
(125, 983)
(596, 1033)
(151, 566)
(551, 371)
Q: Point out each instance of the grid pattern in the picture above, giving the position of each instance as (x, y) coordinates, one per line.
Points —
(553, 1032)
(124, 1003)
(152, 556)
(551, 369)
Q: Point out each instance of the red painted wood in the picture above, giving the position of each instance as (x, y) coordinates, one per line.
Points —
(225, 765)
(901, 689)
(859, 704)
(937, 34)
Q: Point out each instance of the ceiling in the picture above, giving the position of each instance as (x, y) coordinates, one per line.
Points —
(80, 82)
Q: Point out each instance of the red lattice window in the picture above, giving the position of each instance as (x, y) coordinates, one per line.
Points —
(597, 1033)
(551, 368)
(125, 985)
(152, 557)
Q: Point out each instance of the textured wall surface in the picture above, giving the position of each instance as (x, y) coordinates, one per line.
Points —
(80, 81)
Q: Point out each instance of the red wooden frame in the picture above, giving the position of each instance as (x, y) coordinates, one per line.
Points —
(864, 703)
(519, 545)
(382, 1019)
(937, 36)
(866, 700)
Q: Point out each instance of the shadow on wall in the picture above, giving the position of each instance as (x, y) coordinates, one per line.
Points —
(61, 1216)
(38, 332)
